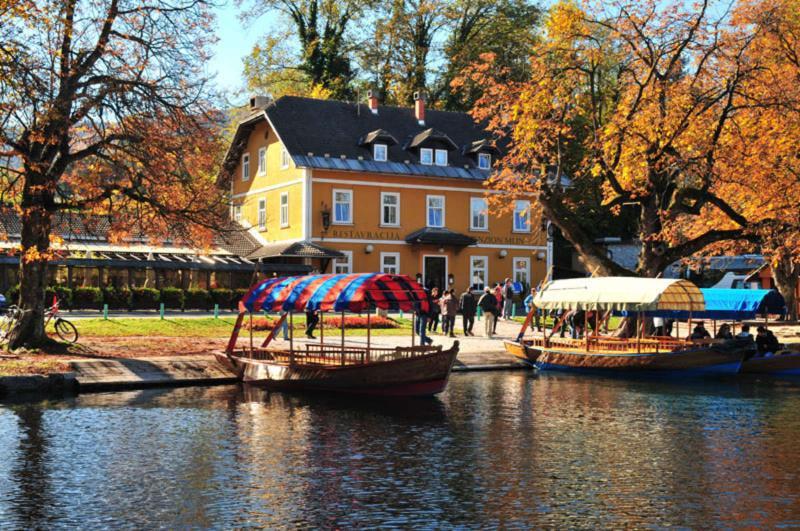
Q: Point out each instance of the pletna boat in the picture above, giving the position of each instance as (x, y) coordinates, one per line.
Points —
(639, 355)
(735, 306)
(335, 365)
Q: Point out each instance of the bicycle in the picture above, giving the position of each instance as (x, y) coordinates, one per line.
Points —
(63, 328)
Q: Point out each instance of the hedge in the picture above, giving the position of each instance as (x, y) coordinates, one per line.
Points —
(221, 296)
(197, 299)
(145, 298)
(117, 298)
(172, 298)
(87, 298)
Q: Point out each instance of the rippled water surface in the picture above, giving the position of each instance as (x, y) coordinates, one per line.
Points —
(497, 449)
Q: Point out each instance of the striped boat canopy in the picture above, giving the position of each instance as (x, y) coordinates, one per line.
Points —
(621, 293)
(336, 292)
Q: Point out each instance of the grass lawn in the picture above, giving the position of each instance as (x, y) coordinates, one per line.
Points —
(200, 327)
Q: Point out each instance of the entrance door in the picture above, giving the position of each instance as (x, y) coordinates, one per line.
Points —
(434, 270)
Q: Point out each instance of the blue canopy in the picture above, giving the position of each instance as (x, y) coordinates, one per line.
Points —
(732, 304)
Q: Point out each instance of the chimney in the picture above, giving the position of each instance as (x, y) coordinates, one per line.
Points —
(258, 102)
(419, 107)
(372, 100)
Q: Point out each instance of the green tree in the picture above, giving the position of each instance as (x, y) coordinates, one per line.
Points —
(313, 56)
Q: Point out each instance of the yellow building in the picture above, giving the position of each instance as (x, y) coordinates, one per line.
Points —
(346, 187)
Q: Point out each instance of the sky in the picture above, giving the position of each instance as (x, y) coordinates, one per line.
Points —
(235, 42)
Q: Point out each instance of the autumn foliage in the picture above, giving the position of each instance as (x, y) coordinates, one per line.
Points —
(685, 113)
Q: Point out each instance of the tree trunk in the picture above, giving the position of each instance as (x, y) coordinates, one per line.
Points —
(786, 275)
(29, 330)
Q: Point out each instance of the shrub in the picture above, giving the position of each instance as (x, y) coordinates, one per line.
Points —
(145, 298)
(87, 298)
(261, 324)
(117, 298)
(221, 296)
(12, 294)
(238, 294)
(172, 298)
(197, 299)
(360, 321)
(64, 295)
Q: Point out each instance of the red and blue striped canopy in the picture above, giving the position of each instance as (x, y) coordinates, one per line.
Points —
(339, 292)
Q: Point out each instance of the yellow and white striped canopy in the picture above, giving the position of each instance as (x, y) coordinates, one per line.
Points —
(621, 293)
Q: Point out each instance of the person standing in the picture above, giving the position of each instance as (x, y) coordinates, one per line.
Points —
(528, 302)
(433, 318)
(449, 311)
(468, 306)
(508, 299)
(421, 324)
(312, 320)
(488, 303)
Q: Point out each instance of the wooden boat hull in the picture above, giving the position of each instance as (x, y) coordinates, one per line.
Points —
(522, 350)
(423, 375)
(710, 360)
(783, 364)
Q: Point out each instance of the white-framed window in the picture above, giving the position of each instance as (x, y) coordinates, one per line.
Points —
(262, 161)
(262, 214)
(522, 216)
(342, 206)
(246, 167)
(390, 209)
(522, 269)
(484, 161)
(237, 212)
(284, 209)
(435, 210)
(478, 213)
(379, 152)
(426, 156)
(478, 271)
(390, 263)
(344, 264)
(441, 157)
(284, 159)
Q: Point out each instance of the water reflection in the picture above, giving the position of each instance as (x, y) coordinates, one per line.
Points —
(499, 449)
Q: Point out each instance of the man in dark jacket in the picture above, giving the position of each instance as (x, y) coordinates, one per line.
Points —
(488, 303)
(468, 306)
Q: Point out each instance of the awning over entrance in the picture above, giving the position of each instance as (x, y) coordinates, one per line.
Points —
(440, 236)
(302, 249)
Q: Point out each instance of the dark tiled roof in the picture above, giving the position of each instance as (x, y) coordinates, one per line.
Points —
(303, 249)
(440, 236)
(377, 134)
(326, 134)
(432, 136)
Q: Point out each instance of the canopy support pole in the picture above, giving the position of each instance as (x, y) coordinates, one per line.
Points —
(639, 333)
(369, 333)
(526, 323)
(413, 327)
(342, 337)
(556, 327)
(234, 335)
(586, 329)
(321, 330)
(291, 334)
(274, 330)
(251, 334)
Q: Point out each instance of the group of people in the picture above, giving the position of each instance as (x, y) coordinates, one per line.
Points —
(494, 303)
(766, 342)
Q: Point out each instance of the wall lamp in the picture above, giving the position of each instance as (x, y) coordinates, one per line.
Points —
(503, 253)
(369, 248)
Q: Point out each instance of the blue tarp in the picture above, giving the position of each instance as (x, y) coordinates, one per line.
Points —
(732, 304)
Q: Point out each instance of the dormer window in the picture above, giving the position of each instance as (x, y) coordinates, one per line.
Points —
(441, 157)
(484, 161)
(379, 152)
(426, 156)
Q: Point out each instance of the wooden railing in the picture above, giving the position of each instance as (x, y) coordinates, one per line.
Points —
(615, 344)
(336, 354)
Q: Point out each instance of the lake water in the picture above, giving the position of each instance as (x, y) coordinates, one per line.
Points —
(497, 449)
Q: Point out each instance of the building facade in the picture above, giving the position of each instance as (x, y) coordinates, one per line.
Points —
(378, 188)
